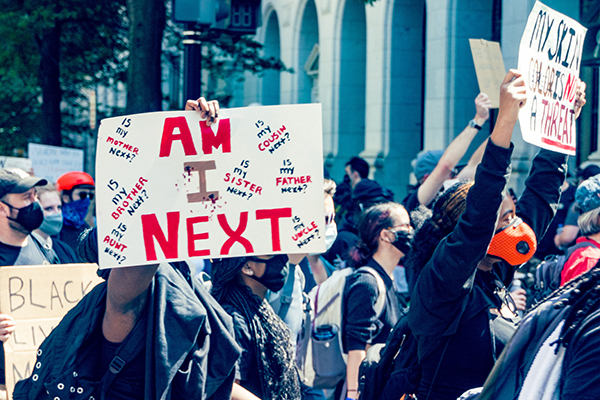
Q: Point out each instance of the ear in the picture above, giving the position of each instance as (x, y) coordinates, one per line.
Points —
(4, 210)
(385, 236)
(247, 269)
(65, 198)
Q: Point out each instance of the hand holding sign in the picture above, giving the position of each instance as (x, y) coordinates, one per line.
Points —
(209, 110)
(579, 98)
(513, 95)
(7, 327)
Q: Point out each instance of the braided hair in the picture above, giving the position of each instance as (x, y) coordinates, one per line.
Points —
(582, 296)
(375, 219)
(270, 335)
(435, 224)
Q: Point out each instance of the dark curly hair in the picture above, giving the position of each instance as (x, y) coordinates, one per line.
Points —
(435, 224)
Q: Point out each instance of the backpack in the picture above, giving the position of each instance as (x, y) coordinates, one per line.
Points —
(320, 356)
(391, 369)
(548, 273)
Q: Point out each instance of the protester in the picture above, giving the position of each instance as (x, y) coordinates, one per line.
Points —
(365, 194)
(266, 367)
(385, 234)
(52, 224)
(357, 169)
(148, 332)
(21, 214)
(587, 254)
(459, 304)
(554, 354)
(77, 192)
(320, 268)
(566, 236)
(433, 168)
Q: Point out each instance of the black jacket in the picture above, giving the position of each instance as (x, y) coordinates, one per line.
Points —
(190, 346)
(451, 299)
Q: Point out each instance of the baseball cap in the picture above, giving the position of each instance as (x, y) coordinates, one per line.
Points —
(15, 180)
(426, 162)
(587, 195)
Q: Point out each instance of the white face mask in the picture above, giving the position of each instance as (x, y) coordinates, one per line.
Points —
(330, 234)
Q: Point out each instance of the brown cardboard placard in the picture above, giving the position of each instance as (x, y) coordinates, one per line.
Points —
(489, 67)
(38, 297)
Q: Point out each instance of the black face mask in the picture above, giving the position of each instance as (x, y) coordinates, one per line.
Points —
(276, 272)
(403, 241)
(29, 217)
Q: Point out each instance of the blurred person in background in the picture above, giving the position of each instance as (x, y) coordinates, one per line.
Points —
(77, 190)
(51, 226)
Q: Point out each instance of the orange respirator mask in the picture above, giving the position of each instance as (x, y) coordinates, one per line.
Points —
(515, 243)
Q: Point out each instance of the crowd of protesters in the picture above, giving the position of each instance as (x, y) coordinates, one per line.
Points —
(445, 260)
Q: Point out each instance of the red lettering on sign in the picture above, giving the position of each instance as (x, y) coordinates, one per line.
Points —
(235, 236)
(221, 138)
(192, 237)
(152, 230)
(169, 136)
(274, 215)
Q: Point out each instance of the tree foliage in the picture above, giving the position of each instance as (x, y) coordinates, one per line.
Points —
(50, 51)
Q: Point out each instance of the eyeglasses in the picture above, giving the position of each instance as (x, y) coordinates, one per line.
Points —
(505, 296)
(85, 195)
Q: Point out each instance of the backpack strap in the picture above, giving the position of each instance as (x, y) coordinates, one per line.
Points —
(380, 303)
(577, 246)
(285, 297)
(129, 349)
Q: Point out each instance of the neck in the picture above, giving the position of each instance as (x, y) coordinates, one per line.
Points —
(595, 237)
(486, 264)
(42, 234)
(387, 259)
(257, 288)
(13, 237)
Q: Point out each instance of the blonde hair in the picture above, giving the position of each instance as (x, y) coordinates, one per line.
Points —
(589, 223)
(329, 187)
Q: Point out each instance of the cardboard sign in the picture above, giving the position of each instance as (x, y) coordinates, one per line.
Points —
(550, 59)
(489, 67)
(16, 162)
(51, 162)
(37, 297)
(172, 188)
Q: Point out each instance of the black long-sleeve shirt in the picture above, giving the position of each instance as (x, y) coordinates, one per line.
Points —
(450, 302)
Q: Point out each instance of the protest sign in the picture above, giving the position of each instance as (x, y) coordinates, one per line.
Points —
(37, 297)
(489, 67)
(51, 162)
(550, 59)
(16, 162)
(171, 188)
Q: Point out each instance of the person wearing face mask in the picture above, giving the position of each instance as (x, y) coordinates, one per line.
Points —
(20, 214)
(52, 224)
(465, 254)
(266, 367)
(77, 193)
(385, 234)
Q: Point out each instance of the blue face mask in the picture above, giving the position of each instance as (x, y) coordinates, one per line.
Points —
(52, 224)
(74, 212)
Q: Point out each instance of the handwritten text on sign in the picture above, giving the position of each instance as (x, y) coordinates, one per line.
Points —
(37, 297)
(170, 187)
(550, 58)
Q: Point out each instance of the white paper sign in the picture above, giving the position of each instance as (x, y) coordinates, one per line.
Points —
(550, 58)
(171, 188)
(51, 162)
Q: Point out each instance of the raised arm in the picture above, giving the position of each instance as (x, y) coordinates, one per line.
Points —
(453, 153)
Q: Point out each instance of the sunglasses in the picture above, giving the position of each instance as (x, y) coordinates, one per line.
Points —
(505, 297)
(85, 195)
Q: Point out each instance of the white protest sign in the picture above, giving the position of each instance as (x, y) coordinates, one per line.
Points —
(51, 162)
(38, 297)
(171, 188)
(16, 162)
(550, 58)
